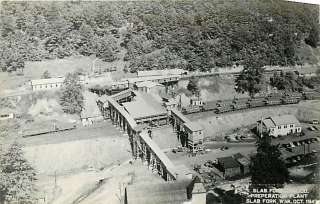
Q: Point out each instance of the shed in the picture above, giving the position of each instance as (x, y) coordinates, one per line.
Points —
(229, 166)
(244, 163)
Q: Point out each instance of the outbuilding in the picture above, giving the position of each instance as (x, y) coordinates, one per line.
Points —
(244, 163)
(229, 167)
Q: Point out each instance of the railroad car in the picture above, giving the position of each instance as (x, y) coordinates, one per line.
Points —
(224, 109)
(296, 95)
(290, 100)
(240, 106)
(209, 106)
(311, 95)
(256, 102)
(224, 103)
(280, 98)
(273, 101)
(275, 95)
(191, 109)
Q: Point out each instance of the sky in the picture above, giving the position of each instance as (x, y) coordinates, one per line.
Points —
(307, 1)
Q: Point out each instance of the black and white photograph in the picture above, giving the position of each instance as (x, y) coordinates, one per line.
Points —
(160, 102)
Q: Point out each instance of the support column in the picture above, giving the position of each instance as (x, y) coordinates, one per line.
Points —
(125, 126)
(160, 169)
(120, 121)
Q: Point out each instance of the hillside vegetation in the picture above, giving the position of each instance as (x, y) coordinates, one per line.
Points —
(196, 35)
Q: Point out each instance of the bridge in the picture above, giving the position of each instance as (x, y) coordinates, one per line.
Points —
(142, 145)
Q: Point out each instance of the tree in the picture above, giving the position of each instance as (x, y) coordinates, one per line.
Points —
(313, 37)
(46, 75)
(266, 167)
(71, 98)
(16, 176)
(250, 78)
(192, 86)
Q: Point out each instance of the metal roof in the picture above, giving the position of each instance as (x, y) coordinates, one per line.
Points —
(180, 115)
(122, 94)
(124, 113)
(241, 159)
(228, 162)
(148, 84)
(268, 123)
(285, 119)
(47, 81)
(161, 193)
(161, 72)
(193, 126)
(144, 106)
(149, 78)
(159, 153)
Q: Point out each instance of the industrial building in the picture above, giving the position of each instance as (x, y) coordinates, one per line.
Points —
(150, 87)
(145, 109)
(184, 191)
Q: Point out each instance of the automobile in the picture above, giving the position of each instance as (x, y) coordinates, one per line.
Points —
(209, 164)
(224, 148)
(177, 149)
(311, 128)
(315, 127)
(315, 122)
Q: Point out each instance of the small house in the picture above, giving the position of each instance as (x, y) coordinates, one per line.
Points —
(229, 167)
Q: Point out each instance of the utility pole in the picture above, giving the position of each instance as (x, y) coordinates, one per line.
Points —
(55, 179)
(261, 127)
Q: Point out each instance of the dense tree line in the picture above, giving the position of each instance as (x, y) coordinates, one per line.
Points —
(290, 81)
(17, 176)
(197, 35)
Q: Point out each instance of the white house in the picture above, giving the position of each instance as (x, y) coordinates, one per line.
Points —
(55, 83)
(279, 125)
(46, 84)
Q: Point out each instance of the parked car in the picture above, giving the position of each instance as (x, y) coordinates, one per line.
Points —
(224, 148)
(209, 164)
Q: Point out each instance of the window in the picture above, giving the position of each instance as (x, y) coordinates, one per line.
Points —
(279, 127)
(291, 126)
(285, 126)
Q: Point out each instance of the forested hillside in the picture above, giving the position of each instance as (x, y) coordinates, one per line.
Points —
(165, 34)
